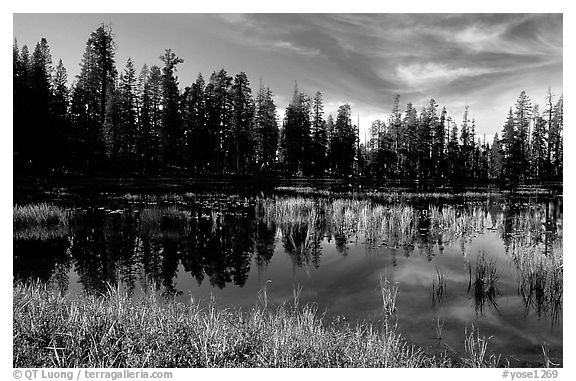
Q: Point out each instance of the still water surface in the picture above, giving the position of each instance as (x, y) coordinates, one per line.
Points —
(229, 247)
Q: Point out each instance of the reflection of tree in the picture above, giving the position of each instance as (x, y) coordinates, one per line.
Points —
(303, 243)
(90, 253)
(120, 234)
(38, 259)
(265, 243)
(220, 248)
(423, 238)
(150, 245)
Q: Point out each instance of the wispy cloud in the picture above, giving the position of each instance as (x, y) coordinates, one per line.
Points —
(431, 74)
(483, 60)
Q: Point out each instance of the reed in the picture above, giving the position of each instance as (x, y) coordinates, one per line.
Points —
(43, 214)
(439, 286)
(167, 222)
(438, 328)
(374, 223)
(483, 282)
(389, 293)
(540, 273)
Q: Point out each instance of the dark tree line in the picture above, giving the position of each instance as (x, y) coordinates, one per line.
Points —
(432, 145)
(112, 121)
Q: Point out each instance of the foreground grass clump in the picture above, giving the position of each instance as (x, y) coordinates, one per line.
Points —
(540, 277)
(116, 330)
(40, 215)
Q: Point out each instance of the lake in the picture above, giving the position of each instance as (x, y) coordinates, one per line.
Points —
(481, 258)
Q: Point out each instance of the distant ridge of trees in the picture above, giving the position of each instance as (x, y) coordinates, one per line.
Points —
(141, 122)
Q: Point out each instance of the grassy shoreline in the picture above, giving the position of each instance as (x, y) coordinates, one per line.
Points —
(117, 330)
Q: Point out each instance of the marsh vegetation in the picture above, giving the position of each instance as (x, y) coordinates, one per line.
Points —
(363, 270)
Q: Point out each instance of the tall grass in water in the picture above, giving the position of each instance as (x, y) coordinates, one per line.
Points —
(389, 295)
(115, 330)
(40, 215)
(393, 225)
(483, 282)
(167, 222)
(439, 286)
(540, 277)
(40, 221)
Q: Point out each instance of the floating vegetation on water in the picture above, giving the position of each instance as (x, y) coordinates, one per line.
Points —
(540, 277)
(483, 282)
(394, 195)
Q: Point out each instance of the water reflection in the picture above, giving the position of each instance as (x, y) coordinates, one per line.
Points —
(218, 241)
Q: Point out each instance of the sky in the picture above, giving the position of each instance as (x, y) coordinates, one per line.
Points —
(480, 60)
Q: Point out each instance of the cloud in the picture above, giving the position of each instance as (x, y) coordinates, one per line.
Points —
(361, 59)
(291, 48)
(430, 74)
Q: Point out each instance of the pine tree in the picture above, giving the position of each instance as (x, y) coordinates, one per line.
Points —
(409, 139)
(509, 148)
(218, 102)
(172, 129)
(157, 139)
(538, 145)
(467, 145)
(144, 135)
(21, 106)
(319, 138)
(41, 136)
(241, 138)
(344, 142)
(120, 122)
(396, 133)
(556, 133)
(94, 84)
(194, 115)
(549, 115)
(266, 130)
(295, 143)
(426, 124)
(453, 150)
(330, 130)
(522, 117)
(495, 168)
(60, 116)
(474, 151)
(128, 84)
(440, 145)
